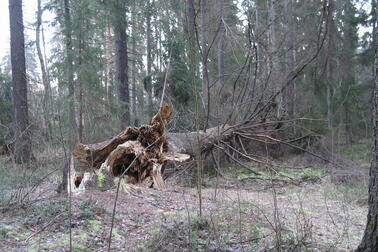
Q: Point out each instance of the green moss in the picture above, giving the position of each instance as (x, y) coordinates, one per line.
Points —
(100, 180)
(118, 234)
(282, 174)
(94, 225)
(31, 250)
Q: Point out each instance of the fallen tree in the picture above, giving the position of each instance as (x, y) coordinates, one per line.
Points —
(136, 156)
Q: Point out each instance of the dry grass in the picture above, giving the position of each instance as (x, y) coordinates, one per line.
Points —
(240, 214)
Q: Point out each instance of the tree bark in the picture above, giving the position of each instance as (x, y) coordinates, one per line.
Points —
(45, 79)
(20, 101)
(70, 73)
(139, 153)
(369, 241)
(133, 69)
(273, 61)
(109, 65)
(148, 80)
(290, 93)
(329, 62)
(121, 75)
(204, 57)
(221, 44)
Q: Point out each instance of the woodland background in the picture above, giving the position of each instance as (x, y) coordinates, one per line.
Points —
(302, 71)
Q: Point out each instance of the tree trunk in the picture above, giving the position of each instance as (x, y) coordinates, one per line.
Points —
(221, 44)
(70, 73)
(204, 57)
(45, 79)
(133, 70)
(290, 94)
(20, 101)
(148, 80)
(369, 241)
(329, 63)
(80, 80)
(109, 65)
(121, 65)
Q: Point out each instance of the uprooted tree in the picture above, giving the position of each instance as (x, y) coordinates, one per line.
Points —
(138, 155)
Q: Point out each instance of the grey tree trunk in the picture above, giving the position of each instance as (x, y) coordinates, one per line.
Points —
(272, 54)
(121, 66)
(204, 59)
(290, 92)
(81, 101)
(45, 80)
(70, 73)
(221, 44)
(329, 62)
(148, 80)
(369, 241)
(109, 65)
(133, 69)
(20, 101)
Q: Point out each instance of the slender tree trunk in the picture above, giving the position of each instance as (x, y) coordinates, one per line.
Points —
(329, 63)
(109, 65)
(369, 241)
(290, 94)
(148, 80)
(221, 43)
(133, 67)
(70, 73)
(121, 66)
(45, 79)
(204, 57)
(272, 54)
(20, 101)
(80, 80)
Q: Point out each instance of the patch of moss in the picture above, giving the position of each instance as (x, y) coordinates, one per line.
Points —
(94, 225)
(7, 231)
(31, 250)
(281, 174)
(118, 234)
(100, 180)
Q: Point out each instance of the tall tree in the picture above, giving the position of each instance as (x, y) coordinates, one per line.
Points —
(290, 42)
(148, 79)
(121, 74)
(20, 100)
(369, 241)
(221, 43)
(133, 69)
(70, 71)
(330, 58)
(204, 59)
(45, 79)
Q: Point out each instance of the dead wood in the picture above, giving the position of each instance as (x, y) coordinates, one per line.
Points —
(137, 156)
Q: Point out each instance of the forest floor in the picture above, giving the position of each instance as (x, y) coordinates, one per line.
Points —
(238, 214)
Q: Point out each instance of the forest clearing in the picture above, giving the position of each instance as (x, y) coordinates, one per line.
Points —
(208, 125)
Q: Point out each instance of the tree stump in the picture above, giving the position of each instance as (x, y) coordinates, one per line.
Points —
(136, 156)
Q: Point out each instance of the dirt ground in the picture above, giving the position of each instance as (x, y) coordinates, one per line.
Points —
(316, 216)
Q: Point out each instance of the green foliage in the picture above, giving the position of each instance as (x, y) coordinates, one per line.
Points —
(40, 213)
(86, 208)
(100, 180)
(361, 151)
(296, 174)
(5, 107)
